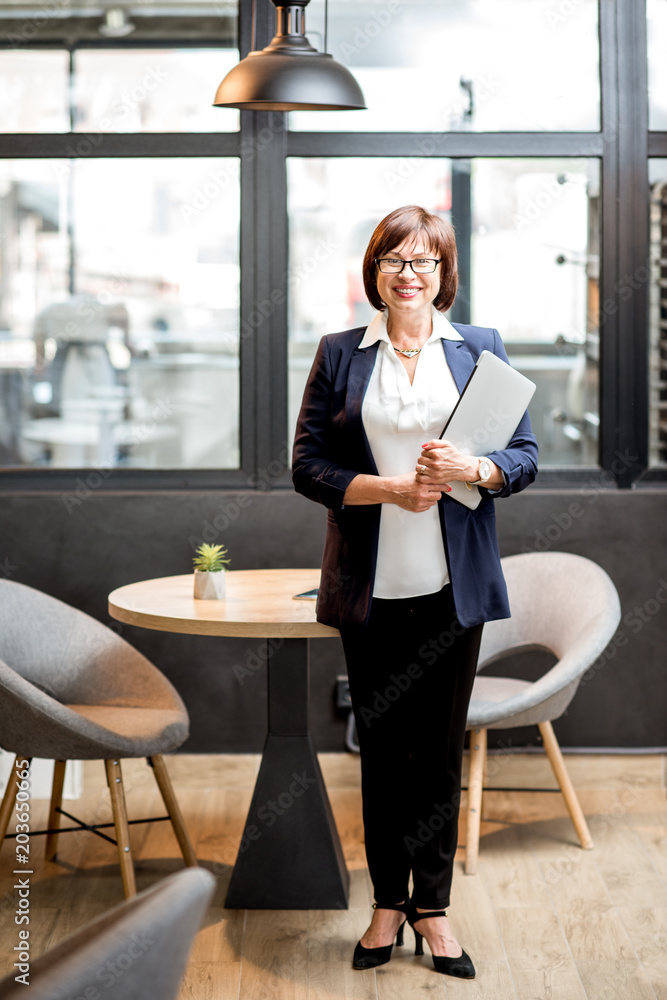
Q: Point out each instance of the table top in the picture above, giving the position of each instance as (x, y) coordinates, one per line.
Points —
(259, 602)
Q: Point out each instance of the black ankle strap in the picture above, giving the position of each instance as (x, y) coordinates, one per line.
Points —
(429, 913)
(401, 907)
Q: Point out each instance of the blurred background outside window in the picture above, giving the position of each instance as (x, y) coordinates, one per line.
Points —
(119, 300)
(656, 29)
(489, 65)
(33, 91)
(119, 278)
(656, 35)
(113, 90)
(151, 90)
(658, 315)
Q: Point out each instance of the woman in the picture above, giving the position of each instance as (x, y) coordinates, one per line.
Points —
(408, 575)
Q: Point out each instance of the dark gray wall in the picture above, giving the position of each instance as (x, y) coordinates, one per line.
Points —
(80, 551)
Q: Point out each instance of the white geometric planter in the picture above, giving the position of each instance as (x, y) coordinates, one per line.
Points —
(210, 586)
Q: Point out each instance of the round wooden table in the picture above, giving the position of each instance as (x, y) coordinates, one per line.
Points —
(290, 855)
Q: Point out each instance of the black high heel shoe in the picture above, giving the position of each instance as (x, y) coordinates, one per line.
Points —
(460, 966)
(370, 958)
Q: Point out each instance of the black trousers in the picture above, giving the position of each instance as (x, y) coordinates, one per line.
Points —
(411, 673)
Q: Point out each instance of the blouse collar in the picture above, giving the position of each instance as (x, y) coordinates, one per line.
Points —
(377, 329)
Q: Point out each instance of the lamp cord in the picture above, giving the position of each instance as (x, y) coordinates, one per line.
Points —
(326, 23)
(253, 27)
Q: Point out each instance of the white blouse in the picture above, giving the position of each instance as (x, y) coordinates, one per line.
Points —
(398, 419)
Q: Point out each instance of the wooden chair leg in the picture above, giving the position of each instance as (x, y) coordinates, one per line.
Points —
(475, 785)
(117, 793)
(566, 786)
(173, 808)
(51, 846)
(9, 797)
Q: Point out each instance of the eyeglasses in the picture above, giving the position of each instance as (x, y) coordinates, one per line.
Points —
(394, 265)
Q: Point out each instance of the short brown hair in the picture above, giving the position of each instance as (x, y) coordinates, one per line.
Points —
(401, 224)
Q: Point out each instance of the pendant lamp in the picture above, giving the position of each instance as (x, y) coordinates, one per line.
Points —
(289, 74)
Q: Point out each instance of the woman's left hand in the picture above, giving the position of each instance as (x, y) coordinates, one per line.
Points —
(445, 463)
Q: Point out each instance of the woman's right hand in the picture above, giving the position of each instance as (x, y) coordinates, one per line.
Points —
(411, 494)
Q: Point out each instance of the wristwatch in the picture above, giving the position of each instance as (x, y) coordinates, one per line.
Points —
(484, 471)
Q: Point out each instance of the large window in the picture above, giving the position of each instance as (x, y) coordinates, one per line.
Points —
(119, 277)
(167, 268)
(132, 358)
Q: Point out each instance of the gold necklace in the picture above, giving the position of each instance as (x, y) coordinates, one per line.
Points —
(408, 352)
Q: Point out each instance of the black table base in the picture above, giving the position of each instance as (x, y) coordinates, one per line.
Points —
(290, 856)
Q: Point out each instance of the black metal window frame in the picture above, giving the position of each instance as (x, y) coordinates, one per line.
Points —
(623, 144)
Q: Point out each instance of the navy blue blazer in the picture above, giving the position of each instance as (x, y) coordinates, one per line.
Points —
(331, 448)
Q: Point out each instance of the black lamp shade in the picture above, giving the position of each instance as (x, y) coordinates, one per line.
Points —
(289, 74)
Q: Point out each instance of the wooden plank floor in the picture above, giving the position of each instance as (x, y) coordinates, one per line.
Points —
(541, 919)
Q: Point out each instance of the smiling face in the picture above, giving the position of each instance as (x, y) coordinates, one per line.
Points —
(408, 293)
(408, 232)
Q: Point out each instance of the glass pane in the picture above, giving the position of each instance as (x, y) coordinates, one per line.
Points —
(481, 65)
(656, 32)
(136, 364)
(531, 247)
(658, 315)
(151, 90)
(33, 91)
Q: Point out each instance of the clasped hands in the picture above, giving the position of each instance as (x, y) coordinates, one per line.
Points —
(439, 464)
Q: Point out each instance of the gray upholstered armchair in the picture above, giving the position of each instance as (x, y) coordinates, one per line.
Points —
(137, 949)
(562, 603)
(71, 689)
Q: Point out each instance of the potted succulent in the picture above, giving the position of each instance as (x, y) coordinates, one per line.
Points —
(210, 565)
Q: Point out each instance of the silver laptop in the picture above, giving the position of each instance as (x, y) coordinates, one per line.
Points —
(488, 412)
